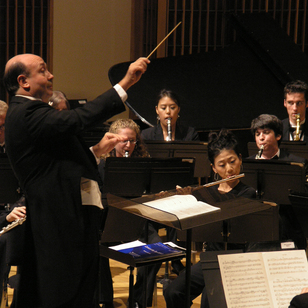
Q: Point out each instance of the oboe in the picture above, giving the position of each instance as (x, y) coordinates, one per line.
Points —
(258, 156)
(169, 132)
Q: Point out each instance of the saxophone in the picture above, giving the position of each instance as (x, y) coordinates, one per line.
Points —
(296, 136)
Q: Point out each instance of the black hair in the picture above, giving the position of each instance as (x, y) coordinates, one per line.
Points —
(296, 86)
(223, 140)
(163, 93)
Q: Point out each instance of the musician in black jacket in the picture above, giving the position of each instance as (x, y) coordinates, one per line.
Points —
(267, 130)
(295, 101)
(51, 161)
(168, 107)
(7, 216)
(226, 161)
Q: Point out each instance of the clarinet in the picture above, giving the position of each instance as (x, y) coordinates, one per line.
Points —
(126, 154)
(258, 156)
(169, 136)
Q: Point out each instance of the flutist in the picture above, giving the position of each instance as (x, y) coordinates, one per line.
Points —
(295, 127)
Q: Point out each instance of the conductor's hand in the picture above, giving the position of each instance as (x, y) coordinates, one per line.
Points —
(16, 213)
(107, 143)
(134, 73)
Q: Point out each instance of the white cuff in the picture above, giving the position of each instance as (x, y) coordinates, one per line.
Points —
(121, 92)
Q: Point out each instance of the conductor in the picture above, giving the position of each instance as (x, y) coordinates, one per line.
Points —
(50, 160)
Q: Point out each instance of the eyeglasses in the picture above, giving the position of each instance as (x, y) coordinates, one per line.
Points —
(130, 141)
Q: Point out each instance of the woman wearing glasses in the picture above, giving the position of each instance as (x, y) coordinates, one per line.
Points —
(133, 144)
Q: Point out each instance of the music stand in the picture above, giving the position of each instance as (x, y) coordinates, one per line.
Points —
(272, 179)
(133, 177)
(8, 182)
(299, 201)
(195, 149)
(230, 208)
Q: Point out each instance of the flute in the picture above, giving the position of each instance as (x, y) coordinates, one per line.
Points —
(12, 225)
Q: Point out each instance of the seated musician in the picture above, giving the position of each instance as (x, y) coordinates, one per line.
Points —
(17, 211)
(226, 161)
(267, 130)
(295, 101)
(167, 108)
(132, 146)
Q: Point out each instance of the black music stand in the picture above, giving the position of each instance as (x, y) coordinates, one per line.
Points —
(8, 182)
(195, 149)
(133, 177)
(272, 179)
(230, 208)
(299, 201)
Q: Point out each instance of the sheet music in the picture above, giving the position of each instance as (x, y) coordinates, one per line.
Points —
(263, 280)
(182, 206)
(287, 275)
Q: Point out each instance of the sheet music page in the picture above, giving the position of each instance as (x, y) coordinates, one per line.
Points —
(287, 274)
(244, 281)
(182, 206)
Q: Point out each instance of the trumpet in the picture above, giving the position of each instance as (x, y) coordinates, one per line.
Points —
(258, 156)
(296, 133)
(169, 136)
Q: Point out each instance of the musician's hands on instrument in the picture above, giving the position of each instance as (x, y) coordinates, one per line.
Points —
(134, 73)
(107, 143)
(16, 213)
(184, 190)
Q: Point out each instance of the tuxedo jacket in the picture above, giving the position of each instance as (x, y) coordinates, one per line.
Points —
(286, 130)
(49, 159)
(181, 133)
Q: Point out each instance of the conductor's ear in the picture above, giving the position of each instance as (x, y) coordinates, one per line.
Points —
(23, 82)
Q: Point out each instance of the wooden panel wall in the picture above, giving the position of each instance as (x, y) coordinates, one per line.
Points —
(205, 23)
(25, 27)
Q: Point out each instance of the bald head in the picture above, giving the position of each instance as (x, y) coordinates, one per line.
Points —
(27, 74)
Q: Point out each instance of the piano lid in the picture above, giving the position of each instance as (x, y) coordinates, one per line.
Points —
(228, 87)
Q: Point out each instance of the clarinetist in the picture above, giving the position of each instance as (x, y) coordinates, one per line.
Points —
(168, 107)
(295, 101)
(267, 130)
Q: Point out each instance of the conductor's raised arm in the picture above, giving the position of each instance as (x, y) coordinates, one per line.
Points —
(134, 73)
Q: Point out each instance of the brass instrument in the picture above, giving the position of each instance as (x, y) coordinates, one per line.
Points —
(258, 156)
(12, 225)
(296, 136)
(169, 136)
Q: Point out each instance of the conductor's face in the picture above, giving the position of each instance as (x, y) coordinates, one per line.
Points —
(38, 83)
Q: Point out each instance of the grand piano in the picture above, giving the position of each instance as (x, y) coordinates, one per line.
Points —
(227, 87)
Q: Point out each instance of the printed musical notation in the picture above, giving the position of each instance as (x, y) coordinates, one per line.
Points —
(263, 280)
